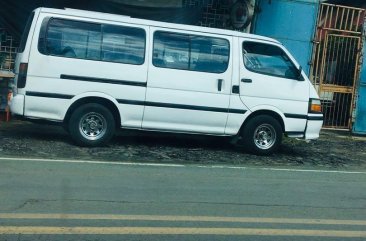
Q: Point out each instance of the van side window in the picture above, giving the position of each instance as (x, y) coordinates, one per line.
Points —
(102, 42)
(73, 39)
(268, 59)
(123, 44)
(190, 52)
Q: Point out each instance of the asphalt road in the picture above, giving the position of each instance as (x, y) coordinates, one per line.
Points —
(44, 200)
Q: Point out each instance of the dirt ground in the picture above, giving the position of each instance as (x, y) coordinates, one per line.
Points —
(334, 150)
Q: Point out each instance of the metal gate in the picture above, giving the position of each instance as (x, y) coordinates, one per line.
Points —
(336, 61)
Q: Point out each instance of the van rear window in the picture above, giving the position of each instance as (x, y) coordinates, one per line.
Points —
(24, 38)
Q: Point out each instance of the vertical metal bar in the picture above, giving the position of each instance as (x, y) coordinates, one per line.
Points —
(340, 50)
(329, 105)
(336, 17)
(352, 20)
(323, 63)
(347, 56)
(331, 17)
(349, 52)
(338, 47)
(337, 117)
(326, 56)
(347, 20)
(335, 105)
(340, 110)
(341, 60)
(340, 27)
(317, 57)
(343, 110)
(354, 79)
(358, 20)
(333, 55)
(325, 107)
(326, 16)
(320, 15)
(354, 59)
(316, 47)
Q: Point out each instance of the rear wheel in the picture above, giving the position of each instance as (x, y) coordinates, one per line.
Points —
(262, 135)
(91, 125)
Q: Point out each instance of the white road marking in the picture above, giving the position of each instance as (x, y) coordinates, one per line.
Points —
(90, 162)
(177, 165)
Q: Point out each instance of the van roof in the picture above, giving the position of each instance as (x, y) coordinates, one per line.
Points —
(127, 19)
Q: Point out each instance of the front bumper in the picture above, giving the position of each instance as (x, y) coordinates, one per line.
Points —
(313, 127)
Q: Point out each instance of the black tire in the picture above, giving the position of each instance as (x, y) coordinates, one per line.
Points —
(262, 135)
(92, 125)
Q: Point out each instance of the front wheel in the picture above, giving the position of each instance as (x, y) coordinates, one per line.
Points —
(262, 135)
(91, 125)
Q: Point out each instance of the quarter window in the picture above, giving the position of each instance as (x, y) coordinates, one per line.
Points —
(268, 59)
(190, 52)
(81, 40)
(73, 39)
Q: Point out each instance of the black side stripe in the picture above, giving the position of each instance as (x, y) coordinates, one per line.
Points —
(180, 106)
(306, 117)
(48, 95)
(147, 103)
(237, 111)
(296, 116)
(319, 118)
(101, 80)
(131, 102)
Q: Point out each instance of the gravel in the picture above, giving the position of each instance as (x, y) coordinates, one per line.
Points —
(333, 150)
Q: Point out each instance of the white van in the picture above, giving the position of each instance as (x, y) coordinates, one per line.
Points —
(94, 72)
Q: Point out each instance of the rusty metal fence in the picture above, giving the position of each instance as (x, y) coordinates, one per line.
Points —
(8, 50)
(336, 61)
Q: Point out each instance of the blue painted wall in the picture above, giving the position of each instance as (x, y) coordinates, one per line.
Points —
(360, 121)
(291, 22)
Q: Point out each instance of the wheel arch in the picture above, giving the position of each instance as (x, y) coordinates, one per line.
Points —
(269, 112)
(105, 100)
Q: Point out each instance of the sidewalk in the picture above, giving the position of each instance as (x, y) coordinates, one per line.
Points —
(334, 149)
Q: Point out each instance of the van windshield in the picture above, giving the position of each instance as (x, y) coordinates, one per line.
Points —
(24, 39)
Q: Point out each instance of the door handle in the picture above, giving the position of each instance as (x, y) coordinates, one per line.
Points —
(219, 84)
(246, 80)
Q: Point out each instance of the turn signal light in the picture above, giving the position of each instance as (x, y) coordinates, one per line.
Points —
(315, 106)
